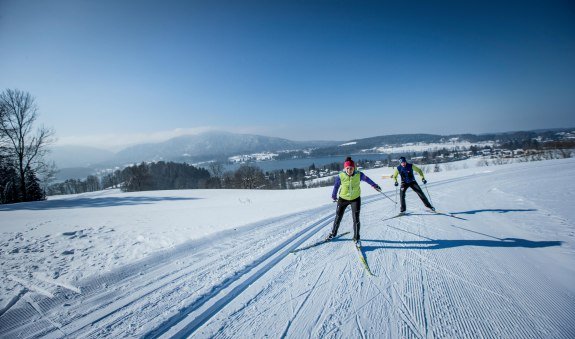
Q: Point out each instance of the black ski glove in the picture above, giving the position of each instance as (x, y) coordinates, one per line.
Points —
(424, 181)
(396, 184)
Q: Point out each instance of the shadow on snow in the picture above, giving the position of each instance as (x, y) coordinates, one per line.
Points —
(437, 244)
(88, 202)
(496, 210)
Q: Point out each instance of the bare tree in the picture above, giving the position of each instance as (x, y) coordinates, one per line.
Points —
(25, 146)
(249, 177)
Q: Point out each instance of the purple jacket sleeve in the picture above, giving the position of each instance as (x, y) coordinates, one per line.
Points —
(365, 178)
(336, 185)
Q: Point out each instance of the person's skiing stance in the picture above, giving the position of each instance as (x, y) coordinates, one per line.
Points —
(408, 180)
(346, 191)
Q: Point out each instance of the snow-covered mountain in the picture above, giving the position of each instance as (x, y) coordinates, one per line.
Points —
(211, 145)
(217, 263)
(80, 161)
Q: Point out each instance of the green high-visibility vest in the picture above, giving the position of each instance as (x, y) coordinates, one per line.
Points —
(349, 189)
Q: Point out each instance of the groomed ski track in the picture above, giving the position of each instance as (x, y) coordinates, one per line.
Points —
(435, 277)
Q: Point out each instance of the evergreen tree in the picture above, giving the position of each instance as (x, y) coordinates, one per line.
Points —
(33, 190)
(137, 179)
(8, 181)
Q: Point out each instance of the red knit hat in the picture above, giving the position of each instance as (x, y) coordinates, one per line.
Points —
(348, 162)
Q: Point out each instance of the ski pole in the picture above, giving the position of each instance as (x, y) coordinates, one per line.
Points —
(385, 195)
(395, 207)
(428, 195)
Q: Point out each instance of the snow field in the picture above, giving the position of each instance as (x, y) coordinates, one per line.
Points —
(502, 266)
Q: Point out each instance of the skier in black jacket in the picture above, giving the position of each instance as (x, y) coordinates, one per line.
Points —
(408, 180)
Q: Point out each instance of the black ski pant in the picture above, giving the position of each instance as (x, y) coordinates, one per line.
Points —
(340, 209)
(415, 187)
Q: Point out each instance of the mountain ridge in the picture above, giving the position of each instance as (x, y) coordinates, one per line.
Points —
(217, 145)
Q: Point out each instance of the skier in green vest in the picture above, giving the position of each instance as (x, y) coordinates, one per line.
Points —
(346, 191)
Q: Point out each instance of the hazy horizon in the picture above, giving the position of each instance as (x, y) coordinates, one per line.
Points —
(140, 139)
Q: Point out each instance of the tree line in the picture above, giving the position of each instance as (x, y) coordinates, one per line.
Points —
(143, 177)
(171, 175)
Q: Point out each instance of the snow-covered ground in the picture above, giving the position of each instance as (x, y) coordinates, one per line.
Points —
(216, 263)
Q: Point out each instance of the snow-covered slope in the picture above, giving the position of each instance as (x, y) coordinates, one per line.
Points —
(217, 263)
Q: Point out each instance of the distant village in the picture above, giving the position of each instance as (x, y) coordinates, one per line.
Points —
(430, 161)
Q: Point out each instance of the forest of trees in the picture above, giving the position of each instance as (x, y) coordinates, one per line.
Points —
(142, 177)
(170, 175)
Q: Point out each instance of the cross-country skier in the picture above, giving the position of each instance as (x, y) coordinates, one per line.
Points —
(406, 169)
(346, 191)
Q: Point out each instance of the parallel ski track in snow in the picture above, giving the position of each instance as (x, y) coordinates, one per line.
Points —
(103, 298)
(192, 318)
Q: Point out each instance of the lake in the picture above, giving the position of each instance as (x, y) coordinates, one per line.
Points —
(273, 165)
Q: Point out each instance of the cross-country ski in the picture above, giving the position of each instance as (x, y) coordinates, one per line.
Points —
(321, 242)
(363, 259)
(402, 214)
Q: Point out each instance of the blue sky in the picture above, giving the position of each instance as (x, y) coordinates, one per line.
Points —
(116, 72)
